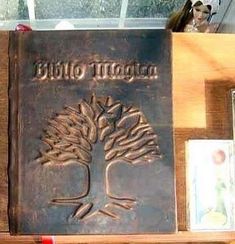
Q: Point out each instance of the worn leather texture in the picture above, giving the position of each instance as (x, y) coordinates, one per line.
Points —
(91, 144)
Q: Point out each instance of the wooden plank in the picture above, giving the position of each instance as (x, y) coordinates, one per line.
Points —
(180, 237)
(198, 58)
(3, 129)
(5, 238)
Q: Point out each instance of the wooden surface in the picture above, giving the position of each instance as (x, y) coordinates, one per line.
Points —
(203, 74)
(181, 237)
(3, 129)
(197, 59)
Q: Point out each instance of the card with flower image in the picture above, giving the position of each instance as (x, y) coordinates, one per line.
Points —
(210, 173)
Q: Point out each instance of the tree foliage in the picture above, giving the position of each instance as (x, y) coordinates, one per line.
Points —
(61, 9)
(152, 8)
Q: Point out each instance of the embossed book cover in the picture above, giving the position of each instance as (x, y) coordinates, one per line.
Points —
(91, 137)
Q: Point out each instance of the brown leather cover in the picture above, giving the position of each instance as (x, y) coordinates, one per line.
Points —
(91, 145)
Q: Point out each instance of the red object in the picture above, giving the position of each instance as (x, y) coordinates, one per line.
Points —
(48, 240)
(22, 27)
(218, 157)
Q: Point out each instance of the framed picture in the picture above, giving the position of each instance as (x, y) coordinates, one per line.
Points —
(211, 185)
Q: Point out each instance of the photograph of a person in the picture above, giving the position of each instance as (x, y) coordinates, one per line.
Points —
(194, 16)
(211, 183)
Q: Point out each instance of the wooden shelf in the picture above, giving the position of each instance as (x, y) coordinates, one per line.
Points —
(182, 236)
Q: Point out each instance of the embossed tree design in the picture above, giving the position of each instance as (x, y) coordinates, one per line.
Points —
(72, 135)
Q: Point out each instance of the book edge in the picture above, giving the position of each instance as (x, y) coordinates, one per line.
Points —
(13, 167)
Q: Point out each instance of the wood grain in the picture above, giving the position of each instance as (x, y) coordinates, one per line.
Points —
(3, 129)
(203, 75)
(181, 237)
(197, 59)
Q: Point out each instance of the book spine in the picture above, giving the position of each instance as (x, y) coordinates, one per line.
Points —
(13, 169)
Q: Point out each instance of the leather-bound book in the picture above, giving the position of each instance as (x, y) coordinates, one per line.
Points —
(91, 137)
